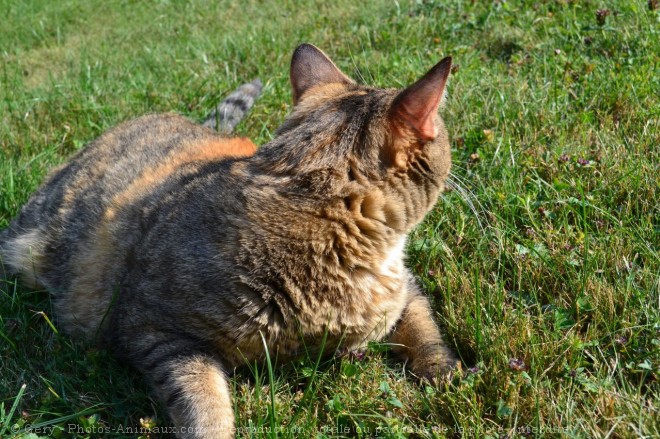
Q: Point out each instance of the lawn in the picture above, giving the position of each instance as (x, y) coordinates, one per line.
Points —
(542, 260)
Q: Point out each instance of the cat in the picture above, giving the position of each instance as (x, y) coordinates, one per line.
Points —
(185, 252)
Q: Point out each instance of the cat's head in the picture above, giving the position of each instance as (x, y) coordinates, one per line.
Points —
(344, 139)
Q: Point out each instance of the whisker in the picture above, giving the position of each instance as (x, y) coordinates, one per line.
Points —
(465, 185)
(453, 182)
(457, 166)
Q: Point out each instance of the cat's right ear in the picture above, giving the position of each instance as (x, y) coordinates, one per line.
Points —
(311, 67)
(417, 106)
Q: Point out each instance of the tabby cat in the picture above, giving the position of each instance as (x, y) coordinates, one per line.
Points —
(184, 251)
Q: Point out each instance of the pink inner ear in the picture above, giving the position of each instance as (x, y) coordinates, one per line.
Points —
(418, 104)
(421, 116)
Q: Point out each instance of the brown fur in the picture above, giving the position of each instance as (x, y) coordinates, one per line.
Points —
(204, 150)
(183, 251)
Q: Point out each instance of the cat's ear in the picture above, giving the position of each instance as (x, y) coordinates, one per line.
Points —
(311, 67)
(418, 104)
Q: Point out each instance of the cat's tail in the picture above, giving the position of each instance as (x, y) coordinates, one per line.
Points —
(230, 111)
(4, 269)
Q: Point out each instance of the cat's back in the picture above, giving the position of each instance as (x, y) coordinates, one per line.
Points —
(66, 236)
(136, 153)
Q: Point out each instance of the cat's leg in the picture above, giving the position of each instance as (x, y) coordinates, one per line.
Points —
(416, 338)
(194, 388)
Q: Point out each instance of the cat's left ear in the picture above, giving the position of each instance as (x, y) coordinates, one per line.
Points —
(311, 67)
(417, 105)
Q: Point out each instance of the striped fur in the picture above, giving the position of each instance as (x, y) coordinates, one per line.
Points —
(183, 251)
(231, 110)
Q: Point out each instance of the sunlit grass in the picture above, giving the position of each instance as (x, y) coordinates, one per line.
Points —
(543, 262)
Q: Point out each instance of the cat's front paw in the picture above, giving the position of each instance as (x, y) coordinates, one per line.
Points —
(435, 367)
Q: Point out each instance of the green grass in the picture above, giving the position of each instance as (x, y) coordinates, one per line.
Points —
(555, 121)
